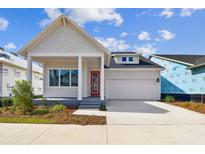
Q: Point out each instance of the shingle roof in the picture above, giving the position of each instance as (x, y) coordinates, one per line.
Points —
(124, 52)
(191, 59)
(143, 63)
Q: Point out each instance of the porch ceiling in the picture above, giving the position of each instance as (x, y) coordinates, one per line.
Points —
(90, 60)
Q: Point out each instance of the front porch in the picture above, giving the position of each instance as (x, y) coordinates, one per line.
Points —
(71, 80)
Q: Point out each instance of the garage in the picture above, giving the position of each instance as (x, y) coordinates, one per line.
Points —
(139, 89)
(135, 80)
(132, 84)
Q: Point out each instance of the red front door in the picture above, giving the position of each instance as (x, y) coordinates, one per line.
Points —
(95, 83)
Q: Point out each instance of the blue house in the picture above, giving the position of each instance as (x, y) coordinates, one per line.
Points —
(183, 76)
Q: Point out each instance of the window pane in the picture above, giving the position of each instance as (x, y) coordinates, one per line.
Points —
(130, 59)
(124, 59)
(65, 77)
(74, 77)
(53, 77)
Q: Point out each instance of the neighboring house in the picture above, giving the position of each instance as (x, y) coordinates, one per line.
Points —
(184, 75)
(76, 65)
(13, 68)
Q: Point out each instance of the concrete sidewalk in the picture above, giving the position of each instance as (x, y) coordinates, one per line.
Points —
(177, 126)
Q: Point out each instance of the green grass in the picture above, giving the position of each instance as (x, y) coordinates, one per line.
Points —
(26, 120)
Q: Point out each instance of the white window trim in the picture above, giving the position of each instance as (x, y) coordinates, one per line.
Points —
(59, 77)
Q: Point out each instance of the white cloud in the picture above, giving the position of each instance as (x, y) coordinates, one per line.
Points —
(85, 15)
(113, 44)
(10, 46)
(144, 36)
(145, 49)
(123, 34)
(52, 15)
(167, 13)
(188, 12)
(3, 24)
(166, 35)
(96, 29)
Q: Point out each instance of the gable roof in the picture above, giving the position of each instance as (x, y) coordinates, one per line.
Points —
(63, 19)
(143, 63)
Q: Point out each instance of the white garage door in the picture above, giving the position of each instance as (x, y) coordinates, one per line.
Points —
(132, 89)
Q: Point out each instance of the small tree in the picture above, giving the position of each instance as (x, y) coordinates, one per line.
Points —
(23, 96)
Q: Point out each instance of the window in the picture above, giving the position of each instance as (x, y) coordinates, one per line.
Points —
(53, 77)
(124, 59)
(130, 59)
(74, 77)
(64, 78)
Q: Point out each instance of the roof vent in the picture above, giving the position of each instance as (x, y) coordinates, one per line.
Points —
(1, 48)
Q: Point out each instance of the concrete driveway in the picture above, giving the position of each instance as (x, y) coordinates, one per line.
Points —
(129, 122)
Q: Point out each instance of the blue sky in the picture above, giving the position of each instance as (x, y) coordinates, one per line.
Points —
(164, 31)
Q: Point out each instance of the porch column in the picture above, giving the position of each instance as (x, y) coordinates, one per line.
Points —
(102, 79)
(80, 78)
(29, 69)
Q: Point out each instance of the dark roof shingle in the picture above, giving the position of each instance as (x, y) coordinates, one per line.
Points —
(191, 59)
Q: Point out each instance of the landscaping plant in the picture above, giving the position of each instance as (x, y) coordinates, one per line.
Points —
(39, 112)
(57, 108)
(44, 102)
(103, 107)
(5, 102)
(187, 104)
(23, 96)
(169, 99)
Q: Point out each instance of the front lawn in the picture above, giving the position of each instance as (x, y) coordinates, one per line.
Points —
(49, 115)
(198, 107)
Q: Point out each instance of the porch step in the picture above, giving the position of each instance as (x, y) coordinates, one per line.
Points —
(89, 105)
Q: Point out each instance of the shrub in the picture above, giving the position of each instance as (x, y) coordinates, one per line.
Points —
(37, 96)
(23, 96)
(57, 108)
(103, 107)
(186, 104)
(39, 112)
(5, 102)
(44, 102)
(196, 106)
(169, 99)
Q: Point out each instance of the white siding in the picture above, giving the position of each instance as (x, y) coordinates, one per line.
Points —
(64, 40)
(89, 64)
(136, 81)
(15, 74)
(59, 91)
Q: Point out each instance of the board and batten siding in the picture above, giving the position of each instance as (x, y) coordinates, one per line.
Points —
(64, 40)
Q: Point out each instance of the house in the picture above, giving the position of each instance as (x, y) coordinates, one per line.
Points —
(13, 68)
(184, 75)
(75, 65)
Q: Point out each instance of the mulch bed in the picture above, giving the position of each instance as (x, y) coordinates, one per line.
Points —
(198, 107)
(63, 117)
